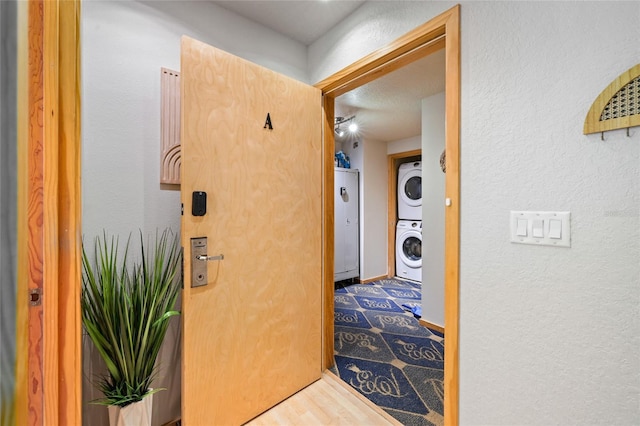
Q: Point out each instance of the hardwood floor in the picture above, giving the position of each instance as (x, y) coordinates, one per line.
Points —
(328, 401)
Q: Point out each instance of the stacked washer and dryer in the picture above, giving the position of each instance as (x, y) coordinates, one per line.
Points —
(409, 227)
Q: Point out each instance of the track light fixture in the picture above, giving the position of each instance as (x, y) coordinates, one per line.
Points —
(339, 121)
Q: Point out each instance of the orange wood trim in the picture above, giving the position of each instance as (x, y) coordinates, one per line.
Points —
(50, 188)
(370, 280)
(329, 145)
(50, 247)
(423, 35)
(392, 205)
(406, 154)
(392, 216)
(35, 210)
(393, 64)
(452, 217)
(69, 226)
(431, 326)
(447, 23)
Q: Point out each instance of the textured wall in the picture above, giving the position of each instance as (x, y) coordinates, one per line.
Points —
(555, 329)
(547, 335)
(374, 209)
(370, 158)
(124, 45)
(371, 26)
(404, 145)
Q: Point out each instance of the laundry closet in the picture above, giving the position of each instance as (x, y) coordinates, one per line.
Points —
(408, 242)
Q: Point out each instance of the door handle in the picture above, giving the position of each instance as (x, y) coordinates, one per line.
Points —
(199, 258)
(204, 257)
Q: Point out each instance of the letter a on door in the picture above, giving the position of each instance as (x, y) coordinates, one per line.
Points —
(267, 123)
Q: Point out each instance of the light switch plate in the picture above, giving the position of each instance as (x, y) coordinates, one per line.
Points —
(549, 235)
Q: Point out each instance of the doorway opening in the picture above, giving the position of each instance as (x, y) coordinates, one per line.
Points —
(441, 32)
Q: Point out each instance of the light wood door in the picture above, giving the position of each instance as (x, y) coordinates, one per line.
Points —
(252, 334)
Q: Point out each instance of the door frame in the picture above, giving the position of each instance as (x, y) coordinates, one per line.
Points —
(48, 387)
(443, 31)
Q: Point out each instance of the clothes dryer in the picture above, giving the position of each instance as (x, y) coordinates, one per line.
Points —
(410, 191)
(409, 250)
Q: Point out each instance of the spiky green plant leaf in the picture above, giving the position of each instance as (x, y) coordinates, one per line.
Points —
(126, 307)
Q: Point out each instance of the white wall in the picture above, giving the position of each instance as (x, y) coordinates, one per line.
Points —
(124, 45)
(370, 158)
(433, 194)
(374, 205)
(547, 335)
(404, 145)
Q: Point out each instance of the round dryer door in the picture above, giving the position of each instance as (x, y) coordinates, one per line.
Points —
(412, 188)
(410, 248)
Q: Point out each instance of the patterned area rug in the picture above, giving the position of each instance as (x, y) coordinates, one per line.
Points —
(383, 352)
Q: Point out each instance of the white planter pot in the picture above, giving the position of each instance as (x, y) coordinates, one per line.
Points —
(136, 414)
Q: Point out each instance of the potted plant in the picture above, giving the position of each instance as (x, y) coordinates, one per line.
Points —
(126, 307)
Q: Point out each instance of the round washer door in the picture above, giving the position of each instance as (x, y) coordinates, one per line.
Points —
(411, 188)
(409, 248)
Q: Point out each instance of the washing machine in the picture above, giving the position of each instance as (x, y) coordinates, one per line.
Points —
(410, 191)
(409, 250)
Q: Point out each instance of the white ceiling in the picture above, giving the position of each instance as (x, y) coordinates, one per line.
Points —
(390, 108)
(302, 20)
(386, 109)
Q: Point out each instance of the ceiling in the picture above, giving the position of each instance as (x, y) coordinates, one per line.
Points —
(301, 20)
(390, 108)
(386, 109)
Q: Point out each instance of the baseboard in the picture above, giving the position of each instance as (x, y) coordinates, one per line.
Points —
(432, 326)
(370, 280)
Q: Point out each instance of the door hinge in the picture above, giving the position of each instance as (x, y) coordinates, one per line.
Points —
(181, 209)
(35, 296)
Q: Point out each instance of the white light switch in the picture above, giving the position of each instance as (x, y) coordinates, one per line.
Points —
(537, 228)
(541, 228)
(555, 228)
(522, 227)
